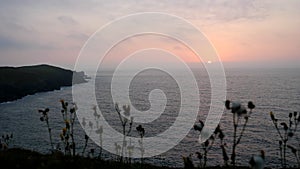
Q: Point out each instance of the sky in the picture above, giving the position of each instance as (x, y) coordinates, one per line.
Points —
(245, 33)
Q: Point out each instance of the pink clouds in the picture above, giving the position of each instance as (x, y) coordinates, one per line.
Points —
(241, 31)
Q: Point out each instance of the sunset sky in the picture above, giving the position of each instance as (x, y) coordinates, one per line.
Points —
(244, 32)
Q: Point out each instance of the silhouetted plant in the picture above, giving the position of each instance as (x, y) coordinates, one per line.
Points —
(124, 119)
(188, 162)
(44, 117)
(208, 144)
(238, 111)
(69, 116)
(130, 149)
(91, 154)
(67, 132)
(224, 154)
(86, 138)
(118, 151)
(258, 161)
(289, 131)
(5, 141)
(140, 129)
(99, 130)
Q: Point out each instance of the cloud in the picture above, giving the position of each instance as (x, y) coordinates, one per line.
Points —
(14, 26)
(9, 43)
(78, 36)
(54, 26)
(67, 20)
(221, 10)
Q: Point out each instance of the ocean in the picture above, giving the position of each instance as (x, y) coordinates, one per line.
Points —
(276, 90)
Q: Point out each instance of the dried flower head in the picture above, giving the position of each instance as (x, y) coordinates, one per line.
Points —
(251, 105)
(227, 104)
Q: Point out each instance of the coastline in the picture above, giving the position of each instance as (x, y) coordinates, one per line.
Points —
(18, 82)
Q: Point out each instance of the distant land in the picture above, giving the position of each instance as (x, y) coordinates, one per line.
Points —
(17, 82)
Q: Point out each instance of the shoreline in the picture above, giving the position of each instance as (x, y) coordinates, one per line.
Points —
(38, 93)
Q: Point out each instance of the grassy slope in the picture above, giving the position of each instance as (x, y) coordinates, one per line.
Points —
(19, 158)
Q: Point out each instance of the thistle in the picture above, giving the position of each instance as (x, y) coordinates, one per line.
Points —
(141, 132)
(208, 144)
(44, 117)
(286, 132)
(125, 119)
(238, 111)
(67, 136)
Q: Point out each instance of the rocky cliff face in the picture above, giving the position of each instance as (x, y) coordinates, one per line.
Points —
(17, 82)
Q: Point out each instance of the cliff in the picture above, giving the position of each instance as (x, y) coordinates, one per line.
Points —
(17, 82)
